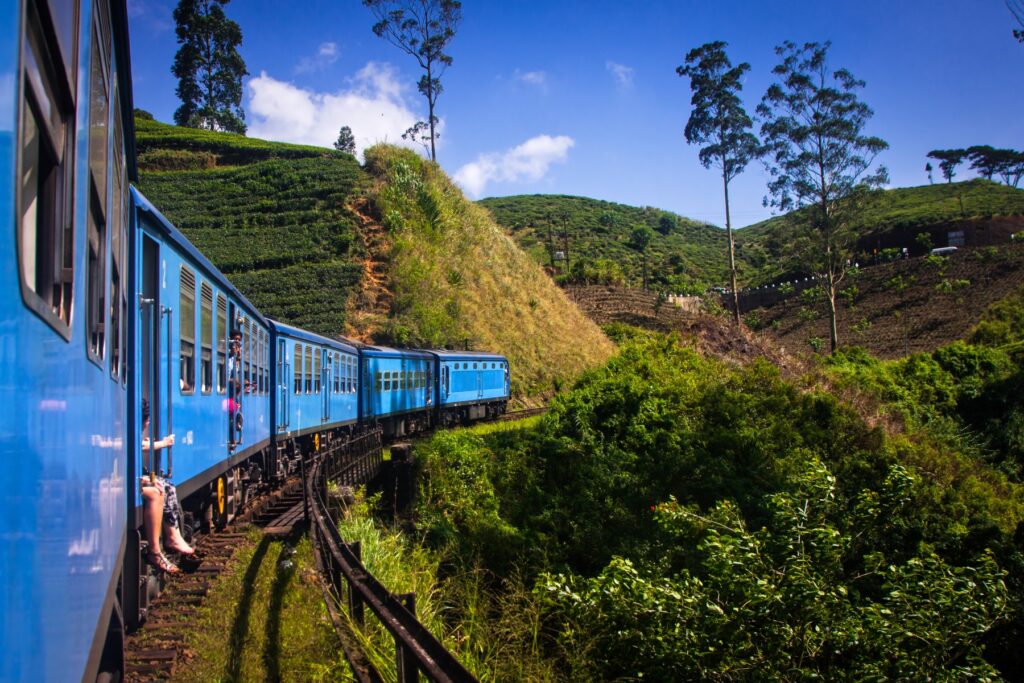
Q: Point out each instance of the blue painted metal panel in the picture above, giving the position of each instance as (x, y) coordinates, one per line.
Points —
(465, 377)
(395, 381)
(201, 421)
(62, 432)
(300, 410)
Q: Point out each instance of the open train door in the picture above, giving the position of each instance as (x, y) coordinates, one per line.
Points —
(150, 330)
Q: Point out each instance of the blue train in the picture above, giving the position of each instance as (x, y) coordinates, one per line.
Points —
(105, 304)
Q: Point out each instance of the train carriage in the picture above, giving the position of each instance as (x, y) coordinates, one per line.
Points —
(315, 395)
(202, 353)
(397, 389)
(66, 153)
(471, 385)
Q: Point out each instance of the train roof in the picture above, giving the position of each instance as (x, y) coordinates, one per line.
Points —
(388, 352)
(299, 333)
(180, 241)
(467, 355)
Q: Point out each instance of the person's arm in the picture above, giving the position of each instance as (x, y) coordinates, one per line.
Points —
(147, 445)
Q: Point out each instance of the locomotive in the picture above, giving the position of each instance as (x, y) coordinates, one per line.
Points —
(105, 303)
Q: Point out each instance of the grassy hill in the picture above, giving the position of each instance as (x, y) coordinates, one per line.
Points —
(396, 255)
(271, 216)
(690, 257)
(890, 218)
(684, 255)
(456, 277)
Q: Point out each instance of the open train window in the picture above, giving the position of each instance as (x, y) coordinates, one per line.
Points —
(377, 382)
(309, 369)
(298, 368)
(118, 254)
(317, 371)
(46, 142)
(206, 338)
(222, 344)
(187, 331)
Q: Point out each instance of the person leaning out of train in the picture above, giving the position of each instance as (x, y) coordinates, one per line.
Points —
(160, 507)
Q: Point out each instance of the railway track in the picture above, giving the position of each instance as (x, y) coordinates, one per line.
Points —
(522, 414)
(154, 652)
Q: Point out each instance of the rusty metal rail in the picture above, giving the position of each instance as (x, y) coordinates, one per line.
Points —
(522, 414)
(416, 649)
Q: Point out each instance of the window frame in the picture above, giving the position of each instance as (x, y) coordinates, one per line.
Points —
(186, 359)
(47, 81)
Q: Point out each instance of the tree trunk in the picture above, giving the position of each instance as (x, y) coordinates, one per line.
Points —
(732, 250)
(833, 328)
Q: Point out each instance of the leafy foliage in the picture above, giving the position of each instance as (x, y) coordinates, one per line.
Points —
(421, 29)
(719, 121)
(208, 67)
(822, 159)
(684, 519)
(274, 221)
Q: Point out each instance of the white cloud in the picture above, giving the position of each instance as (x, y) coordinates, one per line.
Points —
(373, 106)
(622, 74)
(537, 79)
(527, 162)
(326, 55)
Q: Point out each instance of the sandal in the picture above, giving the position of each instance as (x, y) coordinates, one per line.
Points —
(158, 561)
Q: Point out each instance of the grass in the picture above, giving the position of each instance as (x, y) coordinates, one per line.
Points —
(265, 619)
(496, 635)
(459, 281)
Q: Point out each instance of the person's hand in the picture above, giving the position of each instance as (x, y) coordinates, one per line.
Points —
(169, 440)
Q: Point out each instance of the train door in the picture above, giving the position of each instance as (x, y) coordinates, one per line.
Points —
(155, 355)
(234, 412)
(479, 380)
(284, 374)
(325, 384)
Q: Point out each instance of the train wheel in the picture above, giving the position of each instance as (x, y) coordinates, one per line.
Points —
(220, 503)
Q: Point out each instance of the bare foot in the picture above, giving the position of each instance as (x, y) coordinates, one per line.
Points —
(175, 542)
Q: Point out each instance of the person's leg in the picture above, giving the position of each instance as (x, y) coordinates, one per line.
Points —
(152, 522)
(173, 539)
(152, 515)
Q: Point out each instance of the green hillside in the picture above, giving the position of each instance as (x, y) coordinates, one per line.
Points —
(271, 216)
(289, 225)
(456, 277)
(683, 255)
(907, 210)
(689, 256)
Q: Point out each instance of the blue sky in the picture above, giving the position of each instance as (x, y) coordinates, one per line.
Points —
(582, 97)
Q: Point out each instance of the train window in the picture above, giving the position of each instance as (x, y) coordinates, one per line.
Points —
(99, 101)
(353, 375)
(118, 255)
(474, 366)
(309, 369)
(222, 344)
(247, 356)
(338, 372)
(46, 221)
(317, 370)
(298, 368)
(206, 338)
(264, 362)
(377, 382)
(96, 285)
(187, 331)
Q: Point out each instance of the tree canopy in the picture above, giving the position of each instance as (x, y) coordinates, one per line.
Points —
(820, 158)
(421, 29)
(208, 67)
(720, 123)
(346, 142)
